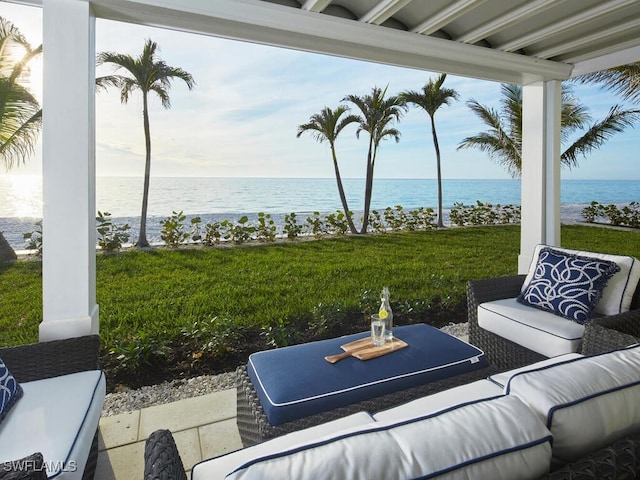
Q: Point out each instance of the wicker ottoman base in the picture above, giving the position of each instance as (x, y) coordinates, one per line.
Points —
(255, 428)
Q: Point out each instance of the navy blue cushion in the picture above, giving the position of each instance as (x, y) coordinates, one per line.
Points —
(567, 285)
(296, 382)
(10, 390)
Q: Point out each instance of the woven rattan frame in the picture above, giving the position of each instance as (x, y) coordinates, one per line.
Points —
(42, 360)
(161, 458)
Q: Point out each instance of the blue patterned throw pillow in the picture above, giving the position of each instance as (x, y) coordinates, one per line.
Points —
(567, 285)
(10, 390)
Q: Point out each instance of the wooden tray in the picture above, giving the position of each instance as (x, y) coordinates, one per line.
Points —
(363, 349)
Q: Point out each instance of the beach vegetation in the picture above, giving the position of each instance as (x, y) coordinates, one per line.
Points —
(625, 215)
(292, 229)
(173, 233)
(148, 74)
(326, 126)
(110, 236)
(503, 140)
(430, 99)
(378, 114)
(34, 239)
(483, 214)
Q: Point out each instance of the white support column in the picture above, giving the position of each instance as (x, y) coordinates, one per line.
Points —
(68, 171)
(541, 107)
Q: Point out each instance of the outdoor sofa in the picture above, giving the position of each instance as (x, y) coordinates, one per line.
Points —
(51, 431)
(464, 424)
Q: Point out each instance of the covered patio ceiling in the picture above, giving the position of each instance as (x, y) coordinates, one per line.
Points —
(515, 41)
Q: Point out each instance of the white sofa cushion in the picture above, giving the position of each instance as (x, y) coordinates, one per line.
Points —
(540, 331)
(219, 467)
(501, 379)
(495, 438)
(439, 401)
(617, 295)
(58, 417)
(586, 402)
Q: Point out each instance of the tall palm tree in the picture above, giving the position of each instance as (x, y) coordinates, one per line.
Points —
(430, 99)
(327, 125)
(148, 74)
(377, 117)
(623, 80)
(20, 113)
(503, 141)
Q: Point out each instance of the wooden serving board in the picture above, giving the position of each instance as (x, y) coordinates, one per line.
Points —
(363, 349)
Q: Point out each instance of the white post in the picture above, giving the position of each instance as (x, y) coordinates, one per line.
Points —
(68, 171)
(541, 108)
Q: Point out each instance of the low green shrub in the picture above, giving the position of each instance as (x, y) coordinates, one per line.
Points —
(111, 236)
(626, 216)
(484, 214)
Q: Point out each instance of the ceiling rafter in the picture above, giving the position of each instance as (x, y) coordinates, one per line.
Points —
(315, 5)
(585, 40)
(555, 28)
(446, 16)
(383, 11)
(503, 21)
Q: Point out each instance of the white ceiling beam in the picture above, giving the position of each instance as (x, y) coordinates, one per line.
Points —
(315, 5)
(620, 57)
(446, 16)
(278, 25)
(588, 15)
(586, 40)
(501, 22)
(383, 11)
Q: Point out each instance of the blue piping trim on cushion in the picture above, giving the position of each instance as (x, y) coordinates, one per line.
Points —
(528, 325)
(373, 429)
(507, 388)
(534, 443)
(553, 409)
(84, 419)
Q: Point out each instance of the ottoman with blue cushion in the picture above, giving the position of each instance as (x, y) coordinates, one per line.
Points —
(290, 388)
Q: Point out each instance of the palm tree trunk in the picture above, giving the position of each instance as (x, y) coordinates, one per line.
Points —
(142, 238)
(368, 190)
(343, 197)
(7, 253)
(439, 171)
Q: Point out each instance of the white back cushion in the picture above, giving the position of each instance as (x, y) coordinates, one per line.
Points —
(587, 402)
(494, 438)
(617, 295)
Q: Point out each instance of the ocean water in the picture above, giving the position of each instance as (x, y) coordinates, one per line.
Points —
(230, 198)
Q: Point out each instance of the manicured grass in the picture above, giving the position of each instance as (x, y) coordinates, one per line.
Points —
(164, 292)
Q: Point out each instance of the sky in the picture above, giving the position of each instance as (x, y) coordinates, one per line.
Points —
(242, 116)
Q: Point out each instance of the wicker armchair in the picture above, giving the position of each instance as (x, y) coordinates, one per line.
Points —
(46, 360)
(506, 354)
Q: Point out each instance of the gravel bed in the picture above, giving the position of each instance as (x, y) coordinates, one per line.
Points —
(174, 390)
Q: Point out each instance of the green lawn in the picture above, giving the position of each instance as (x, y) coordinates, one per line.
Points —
(164, 292)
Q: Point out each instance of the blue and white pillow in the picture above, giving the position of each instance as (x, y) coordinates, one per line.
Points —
(567, 285)
(10, 390)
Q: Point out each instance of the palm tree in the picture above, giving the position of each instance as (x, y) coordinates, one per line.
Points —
(327, 125)
(378, 114)
(503, 141)
(20, 113)
(623, 80)
(430, 99)
(148, 74)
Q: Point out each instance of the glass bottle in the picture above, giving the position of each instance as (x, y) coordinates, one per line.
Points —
(386, 314)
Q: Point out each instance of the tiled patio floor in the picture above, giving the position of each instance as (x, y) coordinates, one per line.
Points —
(203, 427)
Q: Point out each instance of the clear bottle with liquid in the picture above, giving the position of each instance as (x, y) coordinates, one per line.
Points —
(386, 314)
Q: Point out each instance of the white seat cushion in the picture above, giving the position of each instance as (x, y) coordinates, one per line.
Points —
(219, 467)
(439, 401)
(617, 295)
(495, 438)
(501, 379)
(587, 402)
(58, 417)
(540, 331)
